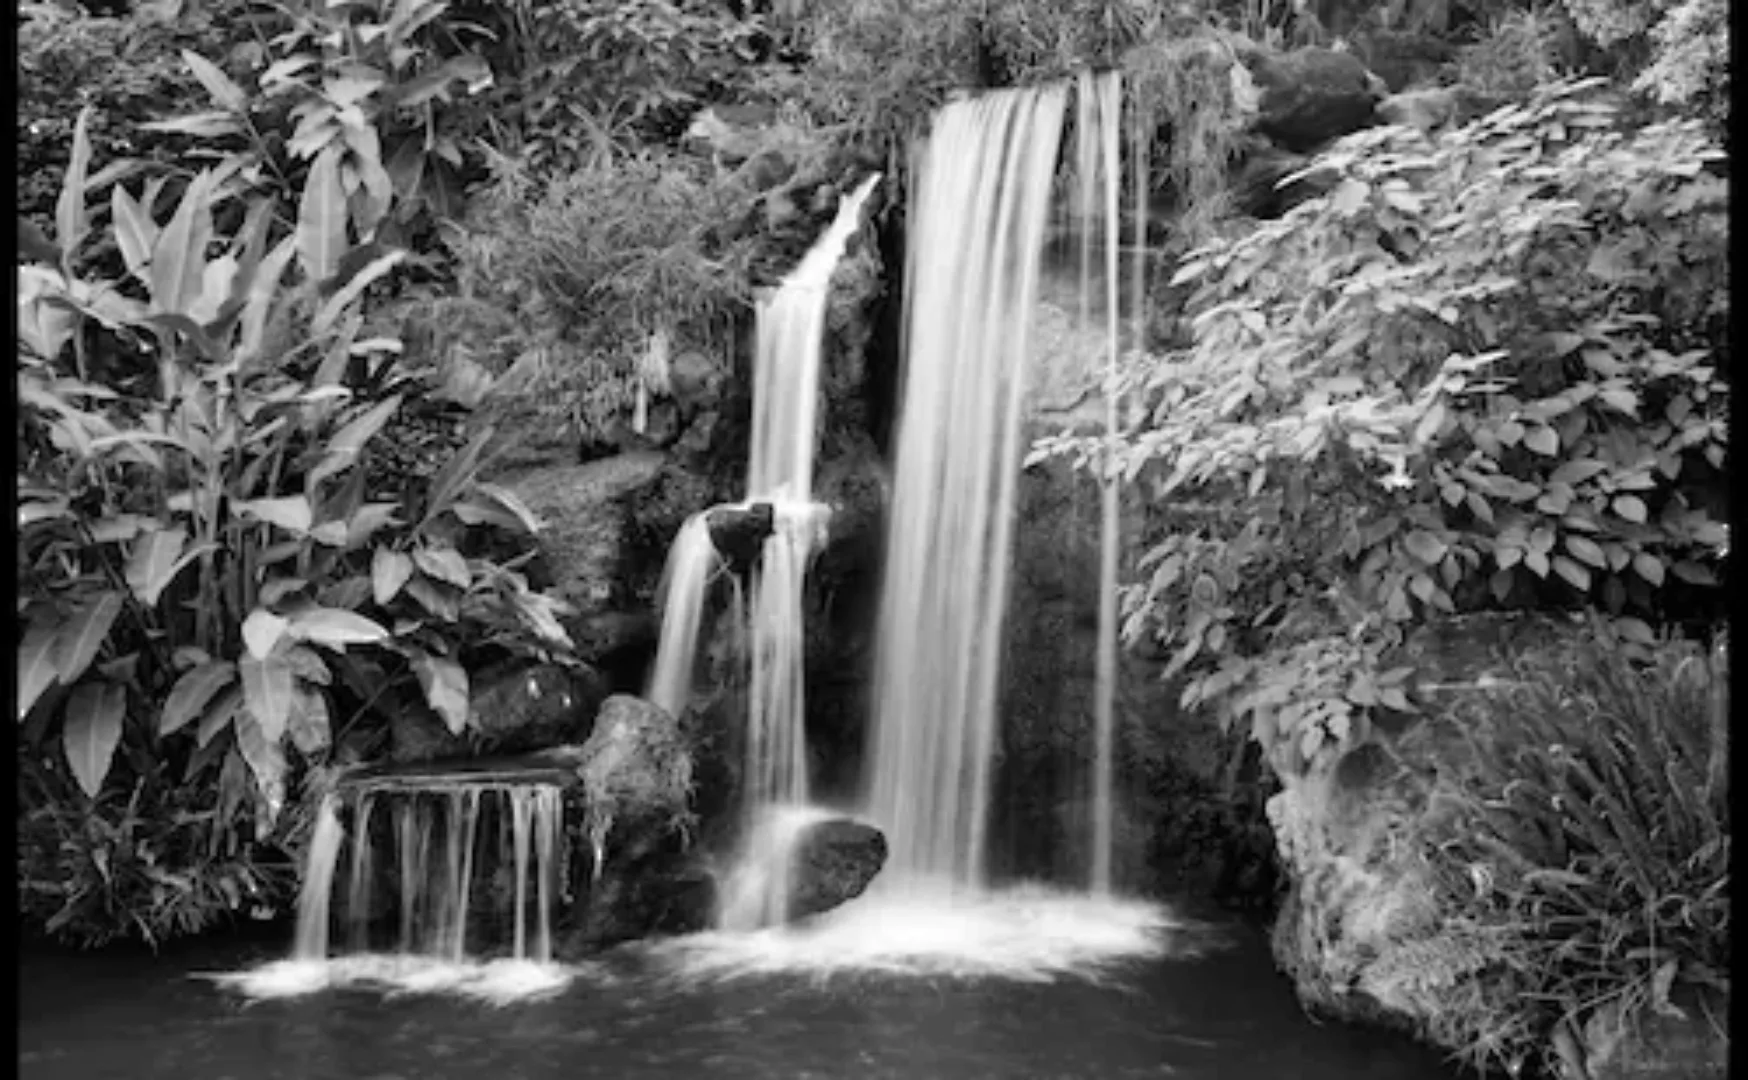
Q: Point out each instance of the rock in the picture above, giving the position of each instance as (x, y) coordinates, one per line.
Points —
(620, 644)
(1311, 96)
(1690, 1042)
(738, 533)
(695, 380)
(834, 860)
(545, 705)
(637, 777)
(584, 510)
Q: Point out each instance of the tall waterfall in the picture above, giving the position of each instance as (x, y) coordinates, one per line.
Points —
(979, 205)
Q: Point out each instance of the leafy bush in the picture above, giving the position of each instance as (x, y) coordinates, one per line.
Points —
(195, 546)
(1586, 833)
(1677, 50)
(1481, 372)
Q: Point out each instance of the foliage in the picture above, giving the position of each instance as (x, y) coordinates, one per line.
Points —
(364, 89)
(598, 78)
(194, 548)
(126, 71)
(1678, 50)
(1586, 831)
(564, 286)
(1517, 52)
(1483, 371)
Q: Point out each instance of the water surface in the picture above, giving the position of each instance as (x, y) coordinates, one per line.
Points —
(1214, 1012)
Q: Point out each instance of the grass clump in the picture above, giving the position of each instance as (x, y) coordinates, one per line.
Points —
(1587, 844)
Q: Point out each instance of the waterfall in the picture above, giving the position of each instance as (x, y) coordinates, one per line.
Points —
(685, 582)
(438, 883)
(1098, 109)
(318, 882)
(978, 211)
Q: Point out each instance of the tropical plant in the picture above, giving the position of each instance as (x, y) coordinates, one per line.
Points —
(1483, 371)
(195, 549)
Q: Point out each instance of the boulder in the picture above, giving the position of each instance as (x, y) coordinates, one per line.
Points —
(1258, 186)
(833, 861)
(1308, 97)
(738, 532)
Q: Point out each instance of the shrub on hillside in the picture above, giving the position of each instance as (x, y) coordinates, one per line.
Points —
(1485, 371)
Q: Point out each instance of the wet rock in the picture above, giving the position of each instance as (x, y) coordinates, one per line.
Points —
(834, 860)
(620, 644)
(1311, 96)
(1689, 1041)
(738, 533)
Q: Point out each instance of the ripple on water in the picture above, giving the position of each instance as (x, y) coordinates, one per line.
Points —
(1027, 934)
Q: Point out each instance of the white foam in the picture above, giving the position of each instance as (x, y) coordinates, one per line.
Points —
(1028, 933)
(495, 982)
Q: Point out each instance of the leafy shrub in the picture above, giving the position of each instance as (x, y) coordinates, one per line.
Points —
(195, 546)
(1517, 52)
(1481, 372)
(1677, 50)
(1587, 834)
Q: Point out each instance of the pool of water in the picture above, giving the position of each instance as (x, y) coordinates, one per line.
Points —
(1212, 1008)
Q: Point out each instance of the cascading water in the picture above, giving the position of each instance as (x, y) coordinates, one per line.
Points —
(980, 199)
(437, 887)
(790, 333)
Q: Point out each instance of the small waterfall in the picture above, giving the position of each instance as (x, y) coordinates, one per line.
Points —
(318, 882)
(978, 214)
(685, 582)
(438, 884)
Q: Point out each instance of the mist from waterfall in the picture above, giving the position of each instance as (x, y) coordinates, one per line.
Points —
(979, 201)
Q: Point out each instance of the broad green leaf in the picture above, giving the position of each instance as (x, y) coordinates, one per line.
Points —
(446, 688)
(510, 501)
(349, 441)
(1631, 508)
(92, 731)
(1425, 546)
(310, 727)
(439, 600)
(267, 688)
(291, 513)
(308, 665)
(1691, 572)
(262, 631)
(193, 692)
(370, 519)
(156, 558)
(70, 213)
(389, 571)
(1649, 567)
(220, 712)
(83, 634)
(1543, 440)
(36, 666)
(267, 761)
(1586, 550)
(179, 256)
(444, 564)
(321, 219)
(1571, 571)
(333, 627)
(263, 291)
(225, 93)
(203, 125)
(335, 305)
(331, 533)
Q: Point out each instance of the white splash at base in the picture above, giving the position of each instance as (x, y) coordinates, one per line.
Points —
(494, 982)
(1025, 934)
